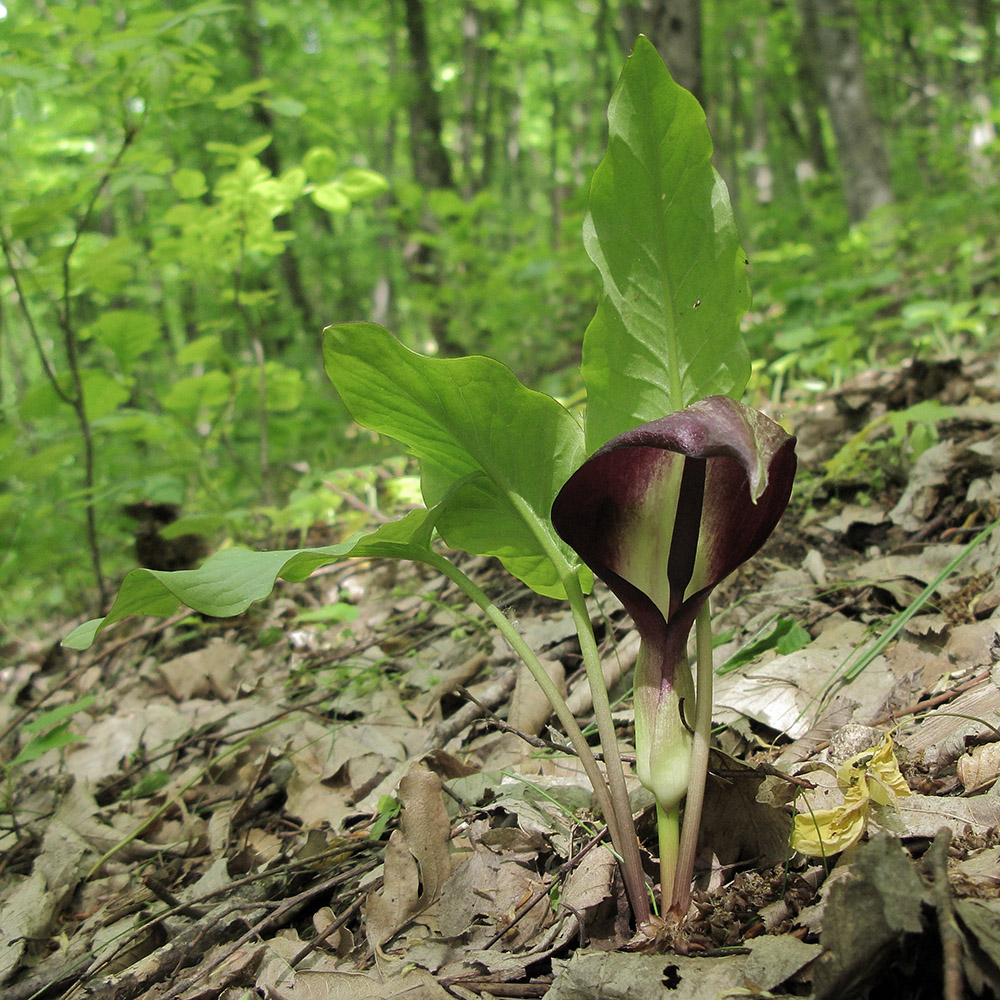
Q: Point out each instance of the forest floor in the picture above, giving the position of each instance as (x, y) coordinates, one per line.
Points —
(329, 796)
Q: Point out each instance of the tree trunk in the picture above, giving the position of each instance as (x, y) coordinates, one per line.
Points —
(555, 126)
(864, 163)
(431, 169)
(508, 163)
(986, 15)
(674, 28)
(383, 301)
(431, 166)
(760, 167)
(810, 80)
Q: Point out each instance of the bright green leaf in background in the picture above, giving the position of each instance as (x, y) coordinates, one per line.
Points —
(49, 731)
(105, 266)
(359, 184)
(285, 387)
(227, 152)
(320, 163)
(332, 198)
(292, 183)
(785, 635)
(189, 183)
(40, 214)
(287, 106)
(127, 333)
(35, 466)
(102, 395)
(240, 95)
(661, 231)
(202, 350)
(198, 392)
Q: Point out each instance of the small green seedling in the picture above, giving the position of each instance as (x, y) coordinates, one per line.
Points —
(49, 731)
(682, 482)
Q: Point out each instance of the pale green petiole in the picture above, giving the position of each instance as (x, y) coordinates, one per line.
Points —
(622, 833)
(626, 843)
(629, 847)
(667, 827)
(677, 853)
(681, 896)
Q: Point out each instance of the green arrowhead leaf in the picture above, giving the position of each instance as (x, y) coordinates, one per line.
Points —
(462, 417)
(232, 579)
(661, 231)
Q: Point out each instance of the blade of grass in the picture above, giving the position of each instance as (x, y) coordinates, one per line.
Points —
(864, 655)
(851, 670)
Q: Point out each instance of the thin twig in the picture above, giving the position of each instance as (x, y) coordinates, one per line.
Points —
(539, 742)
(257, 930)
(29, 319)
(951, 936)
(332, 929)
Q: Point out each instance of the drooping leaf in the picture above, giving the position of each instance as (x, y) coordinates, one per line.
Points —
(662, 513)
(229, 581)
(660, 229)
(460, 417)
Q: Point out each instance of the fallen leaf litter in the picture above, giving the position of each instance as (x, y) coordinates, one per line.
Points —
(210, 831)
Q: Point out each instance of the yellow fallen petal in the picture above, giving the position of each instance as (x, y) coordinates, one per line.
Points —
(854, 769)
(823, 832)
(878, 765)
(887, 781)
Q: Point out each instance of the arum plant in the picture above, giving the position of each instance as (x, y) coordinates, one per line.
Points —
(682, 482)
(662, 513)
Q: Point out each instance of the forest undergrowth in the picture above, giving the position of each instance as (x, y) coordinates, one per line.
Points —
(399, 777)
(351, 790)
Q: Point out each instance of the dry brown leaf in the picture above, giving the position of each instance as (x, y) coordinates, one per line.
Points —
(762, 832)
(929, 475)
(629, 976)
(529, 708)
(589, 884)
(924, 815)
(28, 910)
(784, 692)
(410, 984)
(482, 897)
(979, 768)
(205, 673)
(981, 871)
(334, 769)
(389, 908)
(417, 859)
(974, 644)
(529, 711)
(939, 738)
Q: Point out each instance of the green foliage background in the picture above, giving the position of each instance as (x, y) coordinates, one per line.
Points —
(193, 194)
